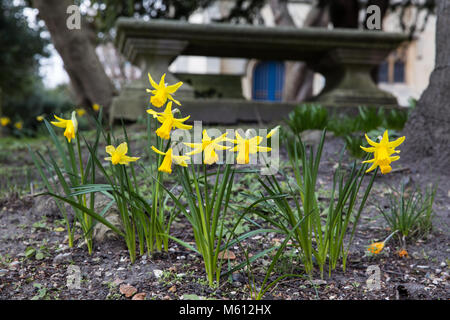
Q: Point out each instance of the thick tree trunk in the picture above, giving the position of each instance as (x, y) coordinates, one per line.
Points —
(88, 78)
(427, 131)
(298, 79)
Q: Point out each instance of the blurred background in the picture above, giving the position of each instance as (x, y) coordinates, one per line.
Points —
(42, 71)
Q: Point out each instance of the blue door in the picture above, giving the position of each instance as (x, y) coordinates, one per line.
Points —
(268, 79)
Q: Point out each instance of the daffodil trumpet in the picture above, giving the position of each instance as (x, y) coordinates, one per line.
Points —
(245, 147)
(208, 146)
(71, 125)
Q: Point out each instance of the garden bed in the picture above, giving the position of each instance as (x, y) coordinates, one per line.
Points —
(28, 224)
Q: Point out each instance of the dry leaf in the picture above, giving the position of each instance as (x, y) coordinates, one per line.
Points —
(127, 290)
(173, 289)
(139, 296)
(227, 255)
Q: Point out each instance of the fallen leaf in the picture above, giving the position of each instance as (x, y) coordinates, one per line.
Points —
(127, 290)
(173, 289)
(139, 296)
(173, 269)
(227, 255)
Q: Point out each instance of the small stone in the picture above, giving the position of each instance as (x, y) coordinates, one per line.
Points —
(237, 284)
(166, 298)
(62, 258)
(318, 282)
(181, 257)
(157, 273)
(3, 272)
(14, 264)
(443, 264)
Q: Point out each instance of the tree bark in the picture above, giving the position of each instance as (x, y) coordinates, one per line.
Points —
(427, 131)
(77, 50)
(298, 79)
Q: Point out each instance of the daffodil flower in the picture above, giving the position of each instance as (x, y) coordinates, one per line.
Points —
(376, 247)
(80, 112)
(245, 147)
(40, 118)
(208, 146)
(96, 107)
(382, 153)
(18, 125)
(118, 155)
(162, 92)
(168, 121)
(70, 125)
(4, 121)
(166, 165)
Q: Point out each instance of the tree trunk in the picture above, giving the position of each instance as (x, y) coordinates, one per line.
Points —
(427, 131)
(87, 75)
(298, 79)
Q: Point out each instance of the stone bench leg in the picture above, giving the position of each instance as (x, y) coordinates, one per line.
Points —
(348, 79)
(154, 56)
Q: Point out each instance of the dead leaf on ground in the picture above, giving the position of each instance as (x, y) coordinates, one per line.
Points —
(127, 290)
(227, 255)
(139, 296)
(173, 289)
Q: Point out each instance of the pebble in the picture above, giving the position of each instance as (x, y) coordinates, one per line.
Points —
(157, 273)
(443, 264)
(62, 257)
(3, 272)
(181, 257)
(14, 264)
(318, 282)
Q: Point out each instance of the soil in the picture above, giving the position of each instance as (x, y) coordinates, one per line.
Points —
(179, 273)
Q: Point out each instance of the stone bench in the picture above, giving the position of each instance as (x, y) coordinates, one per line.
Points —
(345, 57)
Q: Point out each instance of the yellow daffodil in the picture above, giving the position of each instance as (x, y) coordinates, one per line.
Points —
(4, 121)
(118, 155)
(18, 125)
(166, 165)
(80, 112)
(376, 247)
(208, 146)
(245, 147)
(96, 107)
(162, 92)
(168, 121)
(70, 125)
(382, 153)
(40, 118)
